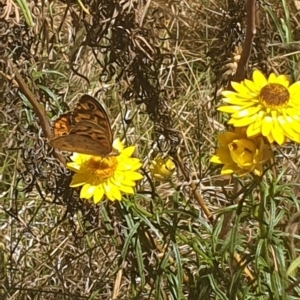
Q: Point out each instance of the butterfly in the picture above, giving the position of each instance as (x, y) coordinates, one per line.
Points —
(85, 130)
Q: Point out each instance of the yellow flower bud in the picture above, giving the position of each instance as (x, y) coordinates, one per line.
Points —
(162, 168)
(240, 154)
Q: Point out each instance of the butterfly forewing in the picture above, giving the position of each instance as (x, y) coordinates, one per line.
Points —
(96, 133)
(85, 130)
(96, 114)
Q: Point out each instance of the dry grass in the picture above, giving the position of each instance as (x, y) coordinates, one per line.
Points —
(165, 65)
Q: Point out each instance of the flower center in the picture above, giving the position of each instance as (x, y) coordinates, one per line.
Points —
(274, 95)
(103, 168)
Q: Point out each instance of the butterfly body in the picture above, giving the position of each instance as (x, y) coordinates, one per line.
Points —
(85, 130)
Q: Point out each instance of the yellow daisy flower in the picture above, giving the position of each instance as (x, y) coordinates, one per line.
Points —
(270, 107)
(107, 176)
(240, 154)
(161, 168)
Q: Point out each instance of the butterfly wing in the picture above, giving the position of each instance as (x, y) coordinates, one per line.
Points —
(96, 133)
(62, 125)
(86, 130)
(81, 144)
(97, 114)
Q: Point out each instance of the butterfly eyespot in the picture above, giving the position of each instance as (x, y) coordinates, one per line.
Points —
(91, 106)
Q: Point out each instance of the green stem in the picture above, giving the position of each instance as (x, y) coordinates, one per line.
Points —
(26, 12)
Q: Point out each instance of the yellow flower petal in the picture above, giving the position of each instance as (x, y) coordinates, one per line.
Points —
(73, 166)
(127, 189)
(253, 130)
(259, 79)
(246, 112)
(118, 145)
(240, 88)
(99, 193)
(228, 169)
(128, 151)
(266, 126)
(78, 180)
(228, 109)
(294, 90)
(116, 194)
(251, 86)
(87, 191)
(242, 122)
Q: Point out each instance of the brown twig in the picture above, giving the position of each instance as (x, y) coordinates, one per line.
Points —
(247, 48)
(239, 76)
(193, 186)
(38, 109)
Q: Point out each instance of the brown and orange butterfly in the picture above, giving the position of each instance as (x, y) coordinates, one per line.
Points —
(85, 130)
